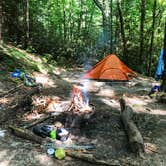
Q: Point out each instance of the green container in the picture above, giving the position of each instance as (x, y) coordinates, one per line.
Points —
(60, 153)
(53, 134)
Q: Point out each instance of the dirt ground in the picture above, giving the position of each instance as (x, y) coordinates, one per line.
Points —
(105, 129)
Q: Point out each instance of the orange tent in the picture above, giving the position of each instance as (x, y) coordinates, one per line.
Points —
(110, 68)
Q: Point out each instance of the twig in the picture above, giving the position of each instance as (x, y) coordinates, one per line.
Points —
(155, 151)
(37, 121)
(70, 107)
(5, 94)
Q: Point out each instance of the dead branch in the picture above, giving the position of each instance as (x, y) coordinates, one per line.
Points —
(26, 134)
(89, 158)
(26, 99)
(37, 121)
(5, 94)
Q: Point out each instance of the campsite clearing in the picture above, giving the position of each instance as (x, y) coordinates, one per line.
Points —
(105, 129)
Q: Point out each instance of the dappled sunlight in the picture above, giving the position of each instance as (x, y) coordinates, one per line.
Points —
(66, 99)
(106, 93)
(32, 57)
(146, 105)
(150, 148)
(58, 71)
(137, 101)
(157, 112)
(43, 159)
(2, 154)
(44, 79)
(4, 161)
(4, 100)
(112, 103)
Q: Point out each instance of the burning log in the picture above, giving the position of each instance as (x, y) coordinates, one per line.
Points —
(79, 109)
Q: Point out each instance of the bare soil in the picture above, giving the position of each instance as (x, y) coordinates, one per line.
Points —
(105, 129)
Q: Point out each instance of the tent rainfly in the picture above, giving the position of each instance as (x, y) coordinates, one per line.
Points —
(110, 68)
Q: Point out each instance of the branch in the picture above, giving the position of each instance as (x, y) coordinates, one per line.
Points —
(99, 5)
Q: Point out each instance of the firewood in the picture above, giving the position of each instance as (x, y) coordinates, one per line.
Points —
(134, 136)
(37, 121)
(26, 134)
(25, 100)
(89, 158)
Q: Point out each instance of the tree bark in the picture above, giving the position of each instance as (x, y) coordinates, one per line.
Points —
(26, 134)
(104, 18)
(152, 37)
(64, 22)
(142, 34)
(163, 84)
(26, 24)
(79, 23)
(89, 158)
(116, 32)
(71, 26)
(134, 136)
(1, 18)
(122, 30)
(111, 30)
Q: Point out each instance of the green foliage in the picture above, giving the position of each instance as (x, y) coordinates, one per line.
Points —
(71, 30)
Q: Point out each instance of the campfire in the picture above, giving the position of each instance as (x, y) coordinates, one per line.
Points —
(79, 110)
(79, 100)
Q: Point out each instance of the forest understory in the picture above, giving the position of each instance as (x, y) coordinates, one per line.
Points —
(46, 46)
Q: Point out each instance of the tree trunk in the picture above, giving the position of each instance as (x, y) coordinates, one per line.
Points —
(152, 37)
(116, 32)
(64, 22)
(26, 25)
(80, 19)
(90, 22)
(163, 84)
(142, 34)
(122, 29)
(111, 31)
(104, 18)
(70, 22)
(1, 18)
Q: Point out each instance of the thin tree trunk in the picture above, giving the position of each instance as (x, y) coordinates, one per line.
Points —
(80, 19)
(1, 17)
(104, 21)
(70, 22)
(142, 34)
(116, 32)
(152, 37)
(163, 84)
(26, 24)
(64, 22)
(111, 31)
(122, 29)
(104, 18)
(90, 21)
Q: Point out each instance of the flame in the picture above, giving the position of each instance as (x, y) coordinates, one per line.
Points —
(79, 93)
(79, 98)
